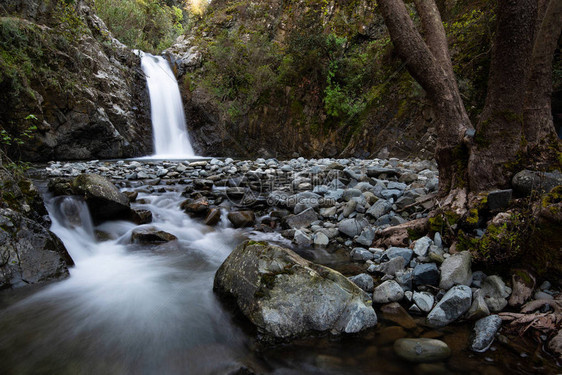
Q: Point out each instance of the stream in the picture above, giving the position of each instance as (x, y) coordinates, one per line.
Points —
(149, 309)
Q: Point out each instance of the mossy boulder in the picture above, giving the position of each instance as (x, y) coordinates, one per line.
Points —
(286, 296)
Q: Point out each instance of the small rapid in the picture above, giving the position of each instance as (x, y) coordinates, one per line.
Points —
(171, 140)
(127, 308)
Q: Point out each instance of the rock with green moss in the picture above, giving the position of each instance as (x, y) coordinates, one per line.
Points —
(286, 296)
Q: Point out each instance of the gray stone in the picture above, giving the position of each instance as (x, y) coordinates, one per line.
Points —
(499, 199)
(151, 235)
(363, 281)
(403, 252)
(495, 293)
(421, 246)
(437, 240)
(302, 220)
(389, 291)
(391, 193)
(455, 270)
(350, 193)
(321, 239)
(477, 278)
(392, 266)
(367, 236)
(424, 301)
(542, 295)
(426, 274)
(523, 283)
(352, 227)
(310, 298)
(484, 331)
(377, 171)
(404, 278)
(452, 306)
(349, 207)
(421, 350)
(379, 208)
(479, 308)
(302, 239)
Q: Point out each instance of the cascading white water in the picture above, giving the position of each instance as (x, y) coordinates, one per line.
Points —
(171, 139)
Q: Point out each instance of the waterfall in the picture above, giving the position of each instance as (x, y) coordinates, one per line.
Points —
(168, 120)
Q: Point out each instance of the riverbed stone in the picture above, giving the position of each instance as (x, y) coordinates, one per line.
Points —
(421, 246)
(403, 252)
(286, 296)
(456, 270)
(301, 220)
(484, 332)
(523, 284)
(421, 350)
(352, 227)
(366, 237)
(392, 266)
(379, 208)
(388, 291)
(363, 281)
(151, 235)
(479, 308)
(451, 307)
(213, 216)
(424, 300)
(360, 254)
(321, 239)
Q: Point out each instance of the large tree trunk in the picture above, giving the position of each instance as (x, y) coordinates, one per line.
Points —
(498, 138)
(538, 125)
(430, 65)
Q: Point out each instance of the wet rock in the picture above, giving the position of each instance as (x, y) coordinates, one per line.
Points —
(142, 217)
(484, 332)
(30, 253)
(363, 281)
(104, 200)
(422, 350)
(286, 296)
(213, 216)
(395, 313)
(388, 291)
(451, 307)
(151, 235)
(196, 208)
(240, 219)
(455, 270)
(426, 274)
(495, 293)
(352, 227)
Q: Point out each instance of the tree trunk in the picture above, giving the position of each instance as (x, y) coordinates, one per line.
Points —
(498, 140)
(538, 125)
(425, 64)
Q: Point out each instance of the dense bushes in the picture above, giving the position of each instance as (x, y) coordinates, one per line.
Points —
(148, 25)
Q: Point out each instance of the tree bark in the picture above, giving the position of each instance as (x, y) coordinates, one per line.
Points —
(498, 140)
(425, 64)
(538, 124)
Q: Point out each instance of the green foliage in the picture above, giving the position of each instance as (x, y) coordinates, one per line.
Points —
(149, 25)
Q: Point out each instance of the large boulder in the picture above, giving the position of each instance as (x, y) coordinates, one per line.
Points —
(104, 200)
(526, 181)
(286, 296)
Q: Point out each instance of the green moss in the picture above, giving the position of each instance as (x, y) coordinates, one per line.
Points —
(250, 243)
(472, 217)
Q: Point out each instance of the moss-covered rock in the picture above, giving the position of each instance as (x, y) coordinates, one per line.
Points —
(286, 296)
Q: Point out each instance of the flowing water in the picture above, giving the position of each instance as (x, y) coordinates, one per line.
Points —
(150, 309)
(171, 139)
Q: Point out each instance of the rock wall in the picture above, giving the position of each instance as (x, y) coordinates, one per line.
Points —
(84, 89)
(29, 252)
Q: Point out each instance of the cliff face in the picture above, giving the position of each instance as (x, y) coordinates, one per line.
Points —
(316, 78)
(83, 89)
